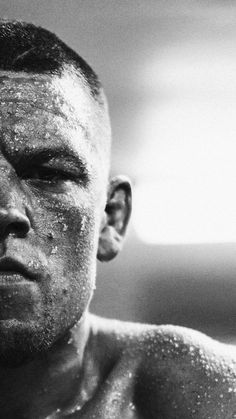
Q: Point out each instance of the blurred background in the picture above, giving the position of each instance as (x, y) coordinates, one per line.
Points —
(169, 71)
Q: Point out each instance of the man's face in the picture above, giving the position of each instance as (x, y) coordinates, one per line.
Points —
(52, 183)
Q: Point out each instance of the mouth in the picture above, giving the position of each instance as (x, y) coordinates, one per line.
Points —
(14, 270)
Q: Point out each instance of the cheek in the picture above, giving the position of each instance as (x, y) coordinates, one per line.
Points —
(67, 218)
(73, 266)
(68, 231)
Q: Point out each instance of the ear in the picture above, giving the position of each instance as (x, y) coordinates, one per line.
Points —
(115, 218)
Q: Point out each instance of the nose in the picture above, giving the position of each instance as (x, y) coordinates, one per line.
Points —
(13, 221)
(14, 210)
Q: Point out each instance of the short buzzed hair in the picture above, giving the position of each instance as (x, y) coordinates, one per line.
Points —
(30, 48)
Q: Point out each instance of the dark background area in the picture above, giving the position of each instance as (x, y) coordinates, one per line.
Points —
(154, 57)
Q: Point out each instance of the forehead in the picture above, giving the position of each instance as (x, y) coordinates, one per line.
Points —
(37, 106)
(67, 95)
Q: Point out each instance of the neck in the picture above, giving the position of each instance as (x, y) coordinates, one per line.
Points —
(50, 382)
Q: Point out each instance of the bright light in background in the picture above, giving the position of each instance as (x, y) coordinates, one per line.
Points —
(186, 168)
(182, 211)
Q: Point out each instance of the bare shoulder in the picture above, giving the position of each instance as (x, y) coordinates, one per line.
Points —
(189, 374)
(179, 372)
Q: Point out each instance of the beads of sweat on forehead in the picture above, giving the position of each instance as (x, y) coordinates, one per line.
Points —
(22, 89)
(45, 93)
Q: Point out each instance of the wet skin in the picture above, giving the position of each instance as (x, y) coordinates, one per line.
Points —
(56, 360)
(51, 201)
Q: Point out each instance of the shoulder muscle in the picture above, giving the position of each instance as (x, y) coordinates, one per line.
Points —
(187, 374)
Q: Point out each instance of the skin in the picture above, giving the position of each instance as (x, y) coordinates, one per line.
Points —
(57, 214)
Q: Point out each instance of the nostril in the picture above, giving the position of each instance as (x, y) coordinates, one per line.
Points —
(19, 228)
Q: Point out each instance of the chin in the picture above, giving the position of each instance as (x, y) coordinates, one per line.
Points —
(22, 342)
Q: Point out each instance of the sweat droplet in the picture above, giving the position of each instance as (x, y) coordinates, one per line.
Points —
(54, 250)
(82, 227)
(50, 235)
(77, 408)
(131, 406)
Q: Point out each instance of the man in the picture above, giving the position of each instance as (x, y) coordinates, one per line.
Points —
(57, 214)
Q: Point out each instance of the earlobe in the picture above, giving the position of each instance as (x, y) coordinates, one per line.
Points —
(115, 218)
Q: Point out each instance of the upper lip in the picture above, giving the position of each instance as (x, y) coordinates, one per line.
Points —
(8, 264)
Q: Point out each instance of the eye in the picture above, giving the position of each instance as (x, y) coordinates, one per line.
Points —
(47, 175)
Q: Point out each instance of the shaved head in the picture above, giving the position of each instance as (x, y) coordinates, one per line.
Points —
(30, 48)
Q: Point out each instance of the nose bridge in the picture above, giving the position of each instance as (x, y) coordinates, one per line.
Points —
(9, 188)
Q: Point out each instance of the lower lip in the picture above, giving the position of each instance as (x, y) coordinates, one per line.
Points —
(12, 278)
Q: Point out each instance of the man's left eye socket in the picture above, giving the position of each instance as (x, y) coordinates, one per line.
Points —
(46, 175)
